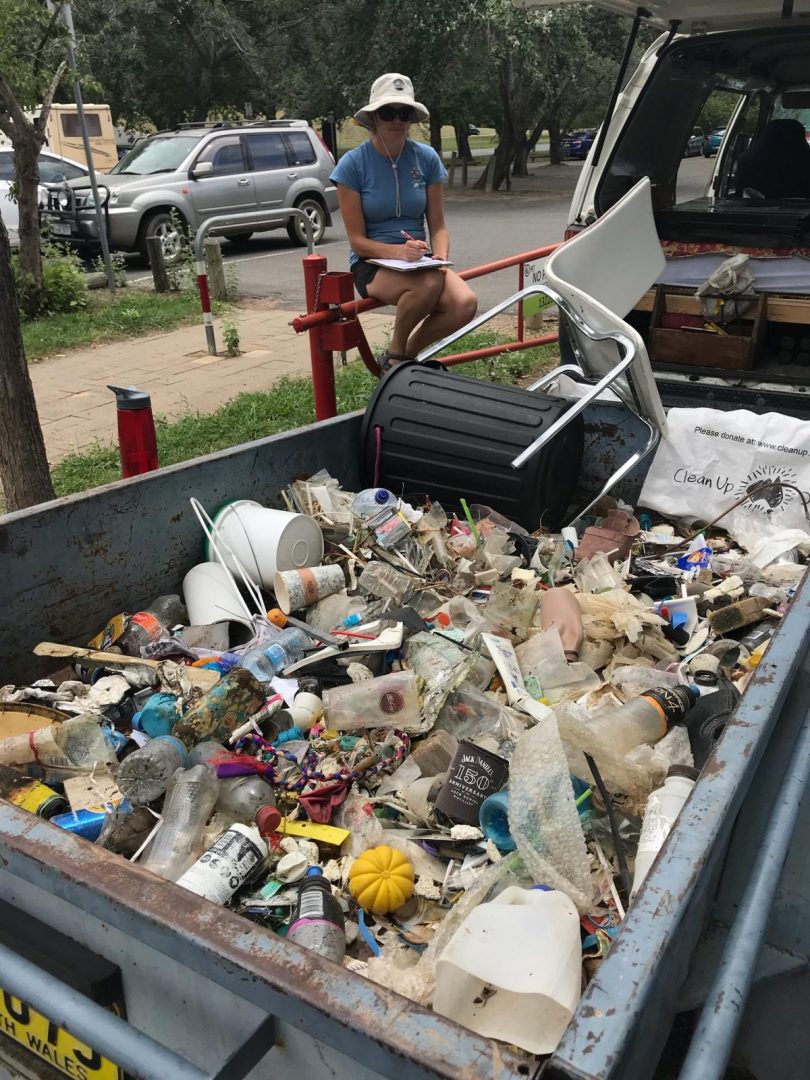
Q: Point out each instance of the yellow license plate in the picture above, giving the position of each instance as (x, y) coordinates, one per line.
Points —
(53, 1044)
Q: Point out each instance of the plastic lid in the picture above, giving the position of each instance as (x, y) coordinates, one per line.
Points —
(127, 397)
(687, 771)
(314, 871)
(381, 496)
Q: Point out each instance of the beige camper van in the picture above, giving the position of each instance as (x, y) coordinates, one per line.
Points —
(64, 135)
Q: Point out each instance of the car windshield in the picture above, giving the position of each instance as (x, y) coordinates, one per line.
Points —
(159, 154)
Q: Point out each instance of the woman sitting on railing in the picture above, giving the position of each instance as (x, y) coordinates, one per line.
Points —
(388, 189)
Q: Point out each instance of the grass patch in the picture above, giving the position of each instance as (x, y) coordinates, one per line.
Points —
(131, 312)
(289, 404)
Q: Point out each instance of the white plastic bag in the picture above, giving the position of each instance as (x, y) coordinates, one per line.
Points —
(710, 459)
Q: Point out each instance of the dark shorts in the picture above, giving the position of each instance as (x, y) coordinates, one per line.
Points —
(363, 272)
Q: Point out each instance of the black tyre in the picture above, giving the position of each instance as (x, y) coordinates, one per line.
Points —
(171, 228)
(316, 214)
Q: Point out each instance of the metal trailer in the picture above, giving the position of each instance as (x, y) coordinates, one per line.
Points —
(208, 993)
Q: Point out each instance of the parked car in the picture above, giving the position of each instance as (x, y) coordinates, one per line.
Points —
(694, 144)
(174, 180)
(576, 144)
(711, 144)
(52, 170)
(473, 129)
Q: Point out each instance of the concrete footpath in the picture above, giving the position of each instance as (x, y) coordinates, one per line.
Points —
(76, 408)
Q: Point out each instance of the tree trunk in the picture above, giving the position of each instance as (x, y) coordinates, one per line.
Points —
(436, 133)
(520, 158)
(554, 138)
(26, 151)
(463, 142)
(24, 471)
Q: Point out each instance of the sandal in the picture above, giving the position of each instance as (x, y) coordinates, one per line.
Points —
(388, 360)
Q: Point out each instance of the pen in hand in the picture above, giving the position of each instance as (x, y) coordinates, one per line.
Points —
(407, 235)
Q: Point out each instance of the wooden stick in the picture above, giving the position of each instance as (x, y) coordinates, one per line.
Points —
(200, 677)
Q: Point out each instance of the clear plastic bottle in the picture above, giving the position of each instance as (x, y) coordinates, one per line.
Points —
(660, 814)
(152, 623)
(644, 719)
(267, 660)
(241, 797)
(370, 501)
(190, 800)
(143, 776)
(318, 922)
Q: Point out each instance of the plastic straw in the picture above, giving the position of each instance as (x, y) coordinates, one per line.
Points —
(470, 521)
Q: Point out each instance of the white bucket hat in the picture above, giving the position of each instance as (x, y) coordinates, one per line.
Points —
(390, 89)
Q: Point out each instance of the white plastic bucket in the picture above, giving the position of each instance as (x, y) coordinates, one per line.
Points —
(525, 946)
(266, 541)
(210, 596)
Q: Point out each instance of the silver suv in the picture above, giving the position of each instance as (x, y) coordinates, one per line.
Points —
(174, 180)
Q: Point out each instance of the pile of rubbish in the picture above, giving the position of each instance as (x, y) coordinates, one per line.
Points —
(431, 747)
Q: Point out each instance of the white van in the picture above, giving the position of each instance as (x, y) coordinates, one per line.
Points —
(743, 67)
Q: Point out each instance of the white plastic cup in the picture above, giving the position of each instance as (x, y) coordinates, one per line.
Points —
(210, 596)
(266, 541)
(297, 589)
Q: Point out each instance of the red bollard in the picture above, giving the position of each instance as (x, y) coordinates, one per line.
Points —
(323, 371)
(137, 442)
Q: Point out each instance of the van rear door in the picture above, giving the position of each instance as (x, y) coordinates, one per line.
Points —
(697, 16)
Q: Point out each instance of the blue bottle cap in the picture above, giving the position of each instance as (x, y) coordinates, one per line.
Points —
(314, 871)
(381, 496)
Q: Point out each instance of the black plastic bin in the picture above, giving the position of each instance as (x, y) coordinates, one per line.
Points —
(456, 437)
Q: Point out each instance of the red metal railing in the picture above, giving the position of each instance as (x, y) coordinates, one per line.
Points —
(326, 338)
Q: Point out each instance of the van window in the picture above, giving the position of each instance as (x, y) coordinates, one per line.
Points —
(699, 156)
(267, 150)
(302, 149)
(6, 166)
(72, 129)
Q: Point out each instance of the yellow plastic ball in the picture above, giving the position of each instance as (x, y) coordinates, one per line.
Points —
(381, 880)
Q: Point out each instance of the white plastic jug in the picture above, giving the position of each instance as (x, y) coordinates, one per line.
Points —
(513, 969)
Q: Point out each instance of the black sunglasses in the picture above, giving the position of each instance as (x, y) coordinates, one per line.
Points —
(393, 112)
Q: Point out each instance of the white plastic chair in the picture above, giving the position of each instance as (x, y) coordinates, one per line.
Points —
(595, 279)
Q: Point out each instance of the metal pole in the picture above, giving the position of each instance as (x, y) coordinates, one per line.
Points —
(102, 1030)
(722, 1012)
(641, 13)
(67, 15)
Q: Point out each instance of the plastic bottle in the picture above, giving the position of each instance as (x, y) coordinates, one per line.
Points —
(493, 816)
(660, 814)
(143, 776)
(267, 660)
(386, 582)
(158, 715)
(524, 944)
(370, 501)
(152, 623)
(30, 794)
(234, 859)
(758, 636)
(644, 719)
(241, 797)
(317, 922)
(190, 799)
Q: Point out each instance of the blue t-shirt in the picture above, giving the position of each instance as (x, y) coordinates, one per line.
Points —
(369, 173)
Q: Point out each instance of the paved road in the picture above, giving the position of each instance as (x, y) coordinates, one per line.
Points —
(483, 228)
